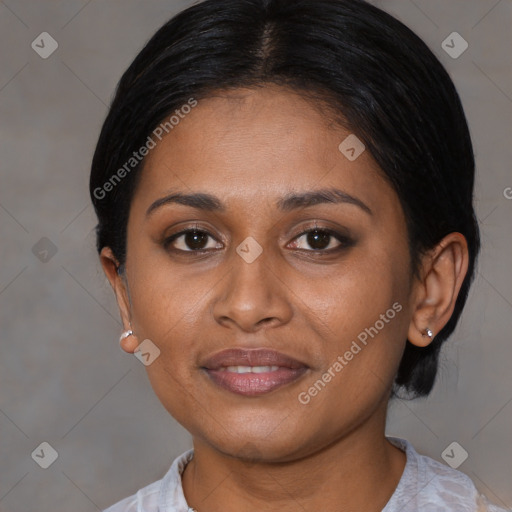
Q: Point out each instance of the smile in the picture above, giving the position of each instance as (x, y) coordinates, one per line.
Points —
(249, 369)
(252, 372)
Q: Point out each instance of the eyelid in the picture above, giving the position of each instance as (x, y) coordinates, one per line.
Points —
(167, 240)
(339, 232)
(345, 240)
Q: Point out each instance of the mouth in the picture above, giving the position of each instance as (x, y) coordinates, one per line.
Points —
(253, 372)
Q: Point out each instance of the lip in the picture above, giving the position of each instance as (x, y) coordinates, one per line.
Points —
(253, 384)
(252, 357)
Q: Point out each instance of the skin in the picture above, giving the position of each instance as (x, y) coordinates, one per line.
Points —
(250, 148)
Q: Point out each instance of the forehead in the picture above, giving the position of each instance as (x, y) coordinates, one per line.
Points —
(244, 144)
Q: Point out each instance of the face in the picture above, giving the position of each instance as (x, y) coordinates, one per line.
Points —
(264, 262)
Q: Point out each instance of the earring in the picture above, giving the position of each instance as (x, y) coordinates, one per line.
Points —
(125, 335)
(430, 334)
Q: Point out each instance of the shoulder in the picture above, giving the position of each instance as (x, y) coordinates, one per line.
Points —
(164, 495)
(430, 486)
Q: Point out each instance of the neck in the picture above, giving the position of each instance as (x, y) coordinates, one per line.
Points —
(360, 471)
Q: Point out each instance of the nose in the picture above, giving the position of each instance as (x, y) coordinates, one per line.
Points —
(253, 296)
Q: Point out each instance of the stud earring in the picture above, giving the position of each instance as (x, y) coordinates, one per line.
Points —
(125, 335)
(430, 334)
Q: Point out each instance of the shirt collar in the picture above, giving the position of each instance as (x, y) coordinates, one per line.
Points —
(172, 499)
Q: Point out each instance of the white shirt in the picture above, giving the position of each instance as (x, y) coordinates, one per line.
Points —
(426, 486)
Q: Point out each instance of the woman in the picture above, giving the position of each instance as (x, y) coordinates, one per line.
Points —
(284, 194)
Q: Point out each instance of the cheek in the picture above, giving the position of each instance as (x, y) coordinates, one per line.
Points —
(364, 310)
(167, 306)
(360, 358)
(353, 298)
(166, 310)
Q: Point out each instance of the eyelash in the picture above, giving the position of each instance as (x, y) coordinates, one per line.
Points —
(345, 242)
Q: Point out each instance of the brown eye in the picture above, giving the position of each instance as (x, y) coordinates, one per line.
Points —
(321, 240)
(318, 239)
(190, 240)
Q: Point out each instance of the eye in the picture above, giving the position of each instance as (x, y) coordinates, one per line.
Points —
(199, 241)
(322, 240)
(190, 240)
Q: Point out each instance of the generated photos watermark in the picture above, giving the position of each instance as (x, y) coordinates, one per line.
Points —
(137, 156)
(356, 346)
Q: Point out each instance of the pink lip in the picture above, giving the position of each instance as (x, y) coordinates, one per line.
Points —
(253, 384)
(252, 357)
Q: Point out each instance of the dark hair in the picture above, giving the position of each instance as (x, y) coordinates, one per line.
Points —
(381, 79)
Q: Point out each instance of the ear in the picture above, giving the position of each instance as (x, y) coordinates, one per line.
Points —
(119, 284)
(442, 273)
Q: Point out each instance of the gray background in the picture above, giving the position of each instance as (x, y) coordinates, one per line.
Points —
(63, 377)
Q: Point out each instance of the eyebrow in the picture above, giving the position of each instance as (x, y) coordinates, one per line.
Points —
(291, 201)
